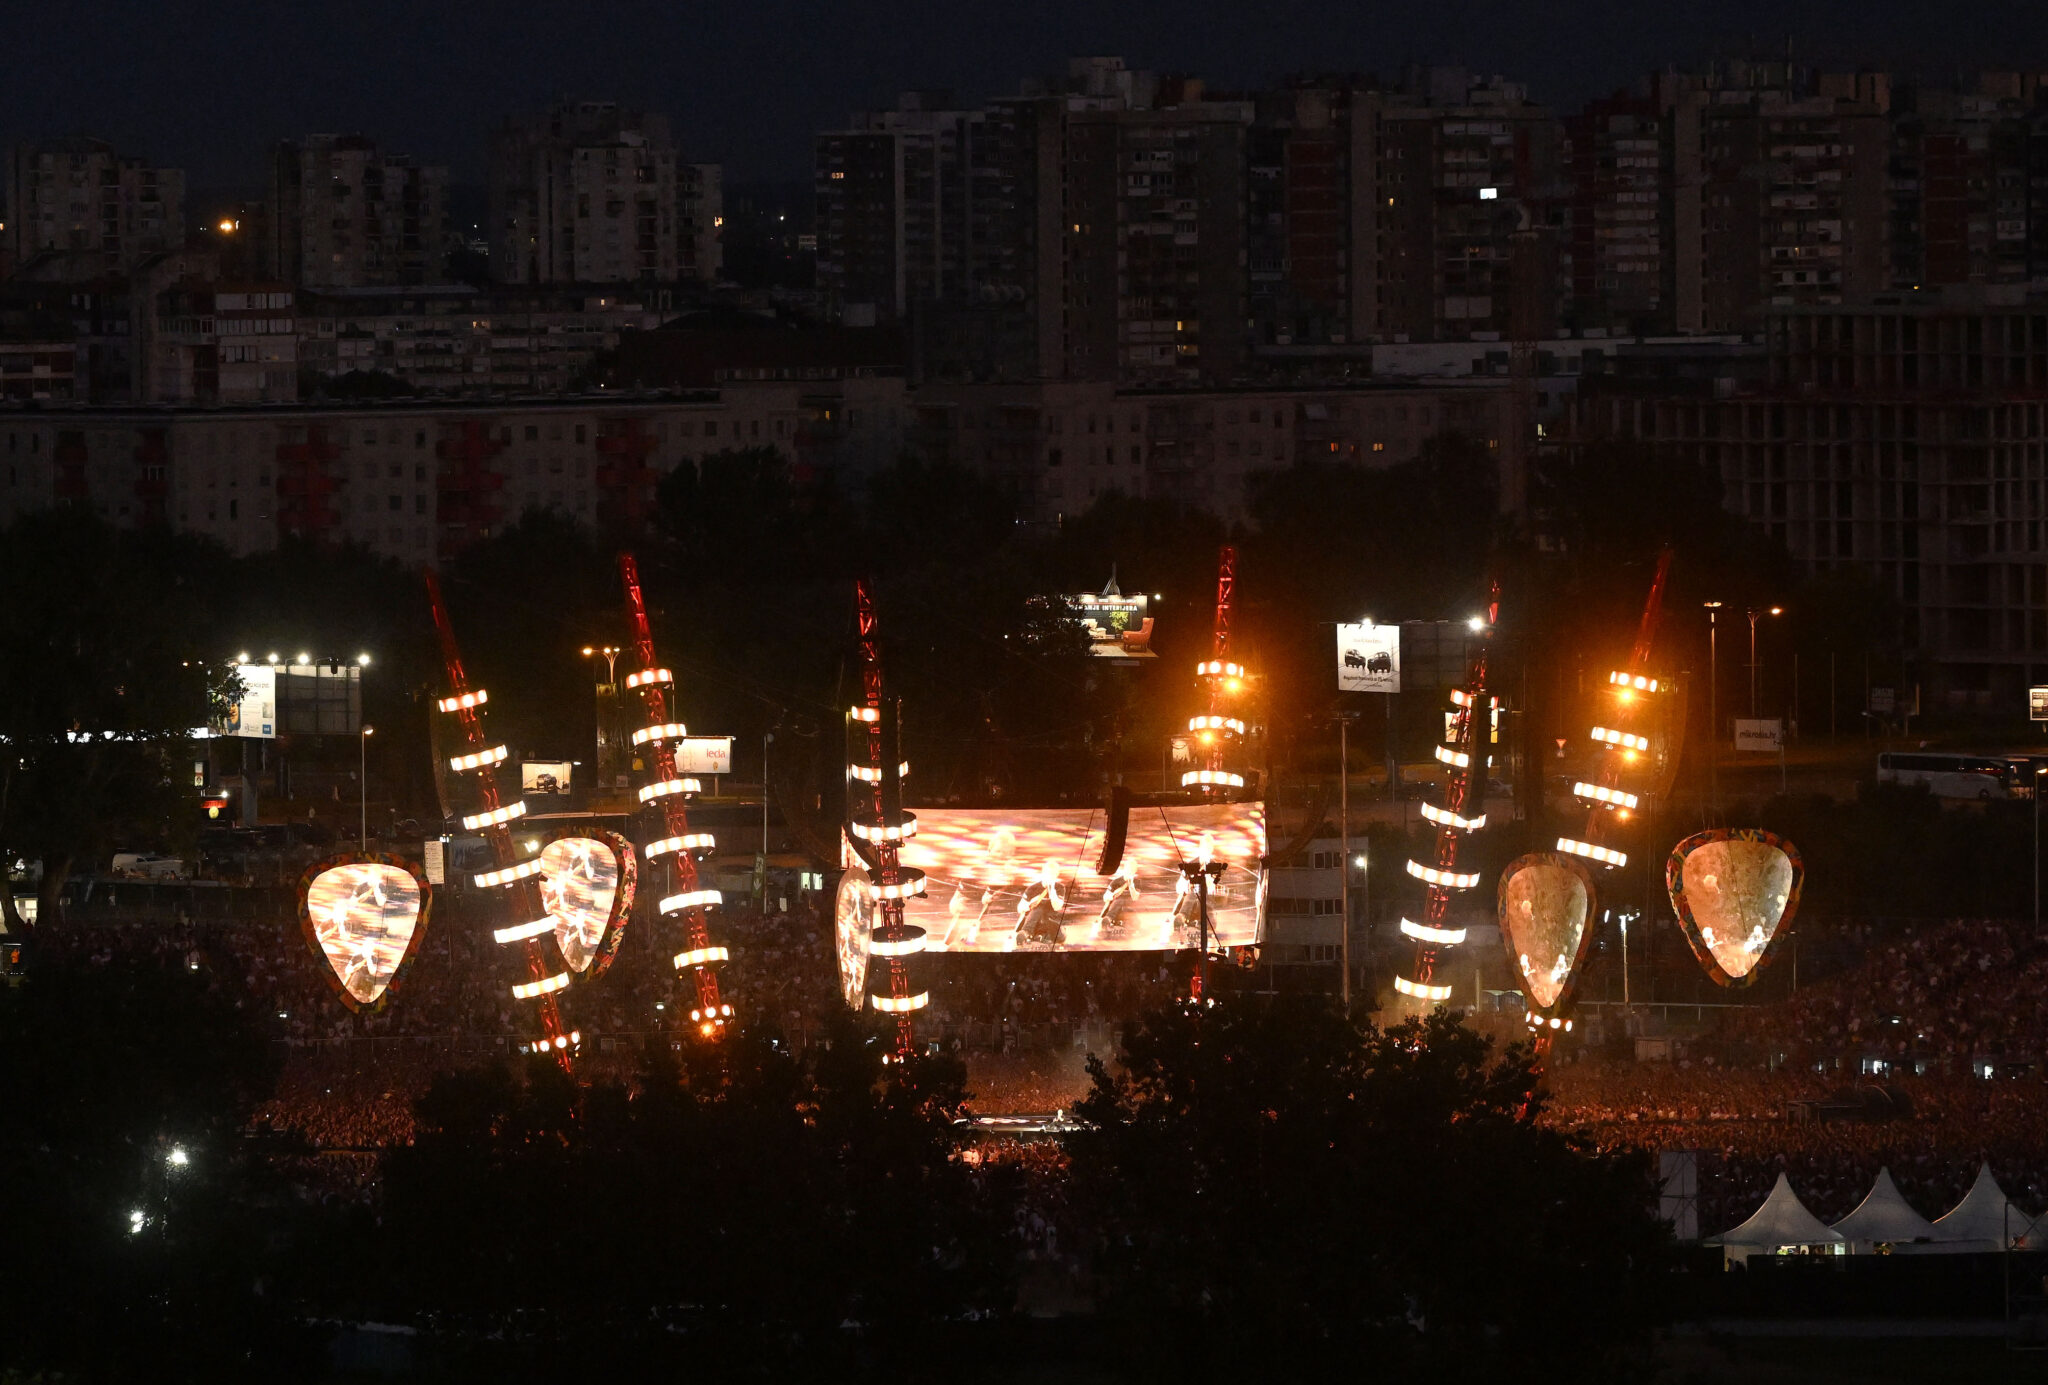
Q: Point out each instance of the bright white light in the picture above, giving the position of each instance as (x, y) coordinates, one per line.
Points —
(699, 957)
(533, 989)
(1444, 817)
(362, 661)
(1424, 933)
(870, 715)
(1591, 852)
(491, 879)
(868, 774)
(1627, 740)
(914, 941)
(1211, 778)
(691, 899)
(497, 817)
(305, 658)
(1447, 879)
(909, 886)
(1420, 991)
(1489, 194)
(520, 932)
(177, 1158)
(649, 678)
(904, 828)
(693, 842)
(1218, 668)
(1597, 794)
(667, 788)
(667, 731)
(1635, 681)
(464, 702)
(1456, 759)
(1211, 723)
(891, 1005)
(1476, 624)
(479, 760)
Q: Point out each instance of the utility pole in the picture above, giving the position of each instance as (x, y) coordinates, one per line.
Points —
(1344, 854)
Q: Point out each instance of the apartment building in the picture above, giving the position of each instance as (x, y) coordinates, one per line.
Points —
(344, 215)
(590, 192)
(222, 343)
(1058, 446)
(79, 200)
(1903, 437)
(409, 480)
(1620, 222)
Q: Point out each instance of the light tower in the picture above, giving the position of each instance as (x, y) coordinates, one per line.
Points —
(532, 930)
(1464, 757)
(1220, 731)
(878, 830)
(685, 900)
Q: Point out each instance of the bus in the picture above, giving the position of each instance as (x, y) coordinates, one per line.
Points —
(1956, 776)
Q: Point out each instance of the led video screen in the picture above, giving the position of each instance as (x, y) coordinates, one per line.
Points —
(586, 884)
(363, 918)
(1024, 879)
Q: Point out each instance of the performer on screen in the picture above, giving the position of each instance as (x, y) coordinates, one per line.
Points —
(1184, 927)
(1038, 911)
(1116, 901)
(998, 863)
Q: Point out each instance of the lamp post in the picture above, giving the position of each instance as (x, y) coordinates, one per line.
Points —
(610, 654)
(2039, 770)
(363, 782)
(1756, 612)
(1344, 854)
(1713, 710)
(767, 739)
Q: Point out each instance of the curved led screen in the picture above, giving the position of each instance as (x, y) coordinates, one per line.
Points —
(1735, 891)
(1545, 902)
(853, 919)
(363, 917)
(586, 885)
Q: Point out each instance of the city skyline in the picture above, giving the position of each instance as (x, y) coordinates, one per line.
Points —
(433, 86)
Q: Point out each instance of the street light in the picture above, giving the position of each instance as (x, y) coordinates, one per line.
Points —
(2039, 770)
(1713, 712)
(1755, 613)
(177, 1158)
(363, 782)
(610, 654)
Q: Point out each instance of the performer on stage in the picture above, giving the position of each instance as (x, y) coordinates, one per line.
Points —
(1038, 911)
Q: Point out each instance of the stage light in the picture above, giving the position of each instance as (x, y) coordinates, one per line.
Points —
(693, 842)
(668, 787)
(701, 957)
(1456, 759)
(497, 817)
(531, 989)
(1425, 933)
(1446, 879)
(1605, 857)
(1626, 740)
(1444, 817)
(520, 932)
(891, 1005)
(1615, 798)
(481, 759)
(1420, 991)
(647, 678)
(491, 879)
(691, 899)
(870, 715)
(475, 698)
(667, 731)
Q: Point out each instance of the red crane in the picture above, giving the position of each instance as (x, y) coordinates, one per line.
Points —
(532, 930)
(1464, 757)
(1221, 731)
(881, 831)
(686, 900)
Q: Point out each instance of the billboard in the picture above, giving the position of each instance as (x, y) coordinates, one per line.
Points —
(1369, 658)
(1118, 627)
(704, 755)
(544, 777)
(1760, 734)
(1007, 880)
(255, 715)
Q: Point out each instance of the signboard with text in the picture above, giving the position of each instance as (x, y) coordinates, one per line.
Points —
(1369, 658)
(1762, 734)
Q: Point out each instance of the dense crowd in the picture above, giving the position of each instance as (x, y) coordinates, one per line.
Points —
(1916, 1021)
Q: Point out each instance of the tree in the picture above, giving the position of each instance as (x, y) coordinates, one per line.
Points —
(107, 666)
(1274, 1187)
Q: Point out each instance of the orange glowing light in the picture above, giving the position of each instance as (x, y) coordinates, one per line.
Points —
(1232, 685)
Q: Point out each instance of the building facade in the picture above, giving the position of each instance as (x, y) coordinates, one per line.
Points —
(78, 198)
(343, 215)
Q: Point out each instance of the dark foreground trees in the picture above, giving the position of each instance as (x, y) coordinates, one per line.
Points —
(1271, 1188)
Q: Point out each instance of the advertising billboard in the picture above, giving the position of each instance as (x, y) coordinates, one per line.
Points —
(704, 755)
(255, 715)
(1009, 880)
(544, 777)
(1369, 658)
(1118, 627)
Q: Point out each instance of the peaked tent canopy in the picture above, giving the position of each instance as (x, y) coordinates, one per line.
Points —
(1885, 1216)
(1782, 1221)
(1981, 1220)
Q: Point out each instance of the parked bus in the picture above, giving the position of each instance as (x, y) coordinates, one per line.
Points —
(1955, 776)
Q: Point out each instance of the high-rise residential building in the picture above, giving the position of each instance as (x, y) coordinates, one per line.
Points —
(1779, 191)
(590, 192)
(893, 209)
(1967, 185)
(343, 215)
(1311, 231)
(1620, 219)
(700, 222)
(78, 198)
(1470, 193)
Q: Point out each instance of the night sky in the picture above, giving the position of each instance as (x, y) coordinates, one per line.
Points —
(206, 86)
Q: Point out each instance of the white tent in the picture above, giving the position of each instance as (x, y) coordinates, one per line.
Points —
(1883, 1217)
(1981, 1221)
(1781, 1222)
